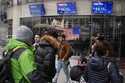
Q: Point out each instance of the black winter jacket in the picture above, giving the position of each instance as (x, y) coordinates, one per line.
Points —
(45, 59)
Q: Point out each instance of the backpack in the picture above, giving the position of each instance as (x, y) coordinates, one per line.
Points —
(121, 77)
(76, 72)
(5, 74)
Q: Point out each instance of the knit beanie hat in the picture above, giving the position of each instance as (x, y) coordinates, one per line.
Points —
(23, 33)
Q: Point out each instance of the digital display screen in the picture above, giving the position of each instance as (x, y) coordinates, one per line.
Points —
(66, 8)
(102, 7)
(76, 29)
(37, 9)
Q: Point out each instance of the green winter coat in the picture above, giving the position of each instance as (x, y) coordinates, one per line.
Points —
(25, 64)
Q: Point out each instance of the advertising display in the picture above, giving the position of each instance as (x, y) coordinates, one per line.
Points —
(37, 9)
(102, 7)
(66, 8)
(76, 29)
(69, 33)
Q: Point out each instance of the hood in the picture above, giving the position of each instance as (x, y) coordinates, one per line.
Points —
(23, 33)
(44, 43)
(13, 43)
(96, 63)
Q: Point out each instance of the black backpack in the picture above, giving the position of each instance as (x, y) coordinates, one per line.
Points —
(76, 72)
(5, 74)
(120, 74)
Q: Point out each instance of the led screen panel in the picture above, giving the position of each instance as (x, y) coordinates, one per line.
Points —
(102, 7)
(66, 8)
(37, 9)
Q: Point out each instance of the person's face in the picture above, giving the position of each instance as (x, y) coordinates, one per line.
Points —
(37, 38)
(93, 39)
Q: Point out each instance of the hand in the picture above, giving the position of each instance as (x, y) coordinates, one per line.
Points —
(63, 59)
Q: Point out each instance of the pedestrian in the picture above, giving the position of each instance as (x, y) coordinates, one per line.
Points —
(100, 38)
(23, 66)
(107, 44)
(92, 41)
(45, 55)
(62, 58)
(37, 40)
(101, 69)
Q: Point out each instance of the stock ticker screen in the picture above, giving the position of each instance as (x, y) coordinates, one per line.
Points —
(102, 7)
(67, 8)
(37, 9)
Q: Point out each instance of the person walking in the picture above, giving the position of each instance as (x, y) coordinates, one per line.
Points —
(22, 64)
(45, 54)
(37, 40)
(62, 59)
(101, 69)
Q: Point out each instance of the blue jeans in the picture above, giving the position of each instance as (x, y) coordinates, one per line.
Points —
(59, 65)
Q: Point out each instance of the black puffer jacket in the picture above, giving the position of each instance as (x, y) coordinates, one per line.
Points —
(45, 58)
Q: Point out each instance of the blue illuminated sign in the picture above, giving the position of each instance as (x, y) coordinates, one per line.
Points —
(102, 7)
(37, 9)
(66, 8)
(76, 29)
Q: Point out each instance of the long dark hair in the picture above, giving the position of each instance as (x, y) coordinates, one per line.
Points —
(99, 48)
